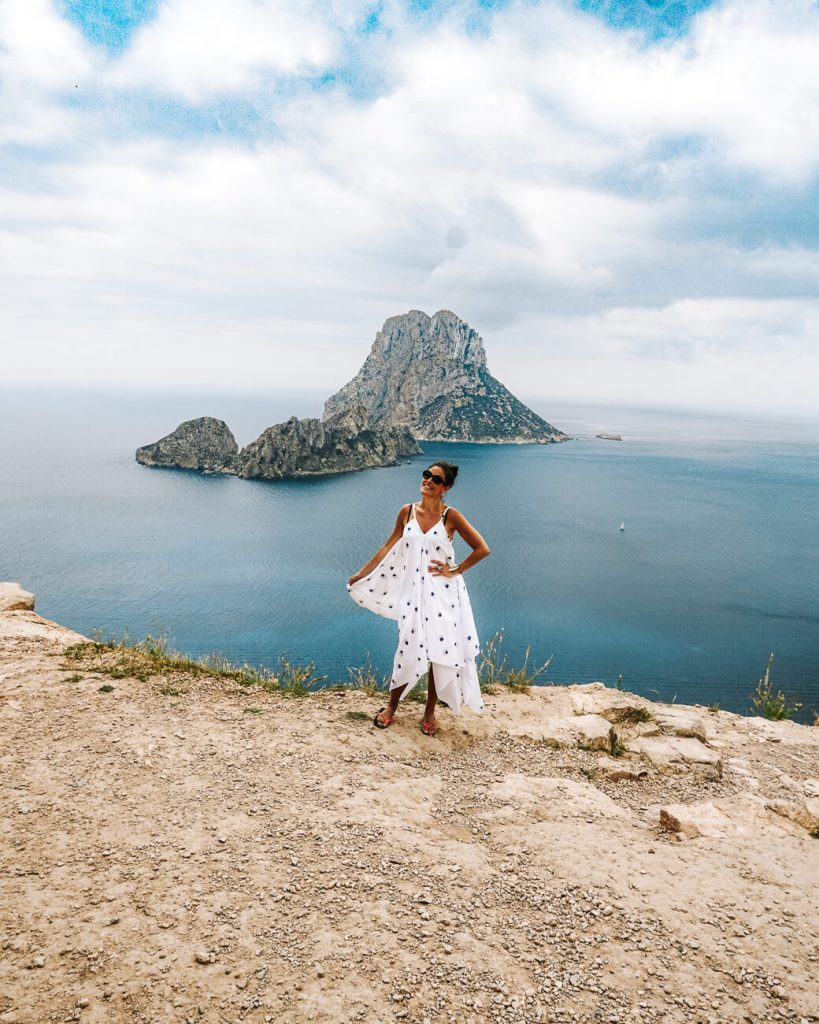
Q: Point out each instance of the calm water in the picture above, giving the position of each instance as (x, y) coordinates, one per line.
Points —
(718, 564)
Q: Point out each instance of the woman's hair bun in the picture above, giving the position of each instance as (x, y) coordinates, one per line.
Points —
(450, 471)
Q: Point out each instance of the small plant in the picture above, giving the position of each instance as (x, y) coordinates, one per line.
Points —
(770, 703)
(714, 708)
(630, 715)
(365, 678)
(297, 680)
(106, 688)
(75, 677)
(154, 656)
(171, 691)
(358, 716)
(253, 711)
(617, 748)
(494, 670)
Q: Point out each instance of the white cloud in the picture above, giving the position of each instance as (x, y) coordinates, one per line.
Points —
(516, 177)
(196, 49)
(38, 47)
(41, 58)
(727, 353)
(746, 80)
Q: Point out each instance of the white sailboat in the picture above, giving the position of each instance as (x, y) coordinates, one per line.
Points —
(622, 526)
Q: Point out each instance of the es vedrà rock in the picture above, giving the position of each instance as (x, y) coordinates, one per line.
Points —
(426, 378)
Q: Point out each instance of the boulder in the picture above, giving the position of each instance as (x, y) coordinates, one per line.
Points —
(679, 722)
(620, 769)
(801, 812)
(590, 732)
(616, 706)
(13, 598)
(744, 816)
(674, 753)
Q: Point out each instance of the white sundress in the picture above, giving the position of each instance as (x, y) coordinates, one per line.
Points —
(434, 616)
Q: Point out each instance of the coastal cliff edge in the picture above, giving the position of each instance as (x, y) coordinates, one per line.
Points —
(186, 848)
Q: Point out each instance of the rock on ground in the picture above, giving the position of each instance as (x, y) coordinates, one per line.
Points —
(13, 598)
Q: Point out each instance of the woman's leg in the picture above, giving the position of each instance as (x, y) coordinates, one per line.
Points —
(432, 699)
(395, 697)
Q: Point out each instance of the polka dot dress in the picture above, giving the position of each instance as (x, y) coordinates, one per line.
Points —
(434, 616)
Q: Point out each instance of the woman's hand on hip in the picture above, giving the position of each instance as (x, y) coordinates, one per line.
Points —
(438, 568)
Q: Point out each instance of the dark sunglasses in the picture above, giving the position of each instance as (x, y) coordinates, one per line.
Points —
(433, 477)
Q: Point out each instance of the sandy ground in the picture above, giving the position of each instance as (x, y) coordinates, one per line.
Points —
(233, 855)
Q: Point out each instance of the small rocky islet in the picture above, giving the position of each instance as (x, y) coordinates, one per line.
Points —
(425, 379)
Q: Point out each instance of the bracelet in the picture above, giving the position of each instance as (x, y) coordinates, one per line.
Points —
(456, 568)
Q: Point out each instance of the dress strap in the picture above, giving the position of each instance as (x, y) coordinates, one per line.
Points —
(410, 511)
(446, 513)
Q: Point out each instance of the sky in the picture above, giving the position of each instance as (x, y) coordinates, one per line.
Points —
(620, 196)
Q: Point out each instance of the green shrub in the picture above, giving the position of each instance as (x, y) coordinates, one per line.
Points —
(494, 670)
(297, 680)
(364, 678)
(770, 703)
(153, 656)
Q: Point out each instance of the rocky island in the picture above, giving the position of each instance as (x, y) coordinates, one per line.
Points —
(206, 444)
(430, 376)
(312, 447)
(296, 448)
(426, 378)
(182, 847)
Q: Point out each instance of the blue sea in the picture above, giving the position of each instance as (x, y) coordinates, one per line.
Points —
(718, 564)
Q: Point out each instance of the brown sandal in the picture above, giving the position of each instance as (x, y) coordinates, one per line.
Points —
(379, 724)
(429, 728)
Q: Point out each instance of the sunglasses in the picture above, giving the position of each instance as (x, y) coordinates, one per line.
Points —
(433, 477)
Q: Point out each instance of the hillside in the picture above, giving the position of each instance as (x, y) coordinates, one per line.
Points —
(183, 848)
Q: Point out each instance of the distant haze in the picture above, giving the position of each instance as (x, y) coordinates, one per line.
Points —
(234, 194)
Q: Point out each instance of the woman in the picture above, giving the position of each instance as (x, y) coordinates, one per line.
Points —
(413, 579)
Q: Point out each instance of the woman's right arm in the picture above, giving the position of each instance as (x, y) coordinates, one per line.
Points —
(393, 538)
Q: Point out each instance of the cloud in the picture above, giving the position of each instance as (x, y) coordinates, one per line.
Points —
(745, 79)
(195, 49)
(42, 57)
(602, 210)
(729, 353)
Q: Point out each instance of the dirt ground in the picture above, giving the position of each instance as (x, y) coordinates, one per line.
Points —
(201, 852)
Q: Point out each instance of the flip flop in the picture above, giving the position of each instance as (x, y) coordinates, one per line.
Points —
(382, 725)
(429, 729)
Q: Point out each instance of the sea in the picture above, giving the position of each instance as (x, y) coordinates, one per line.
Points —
(716, 567)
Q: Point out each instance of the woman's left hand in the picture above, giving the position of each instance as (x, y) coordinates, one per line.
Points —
(438, 568)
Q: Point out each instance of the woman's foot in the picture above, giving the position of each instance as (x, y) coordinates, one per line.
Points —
(429, 728)
(384, 718)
